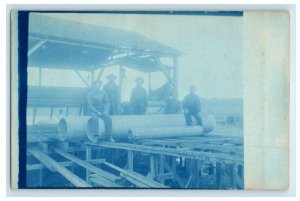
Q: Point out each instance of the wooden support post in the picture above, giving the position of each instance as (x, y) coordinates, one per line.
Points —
(121, 78)
(67, 111)
(88, 156)
(152, 167)
(240, 179)
(175, 175)
(41, 176)
(234, 176)
(51, 112)
(92, 77)
(34, 115)
(161, 168)
(198, 165)
(40, 77)
(218, 175)
(130, 160)
(173, 162)
(149, 82)
(175, 74)
(162, 164)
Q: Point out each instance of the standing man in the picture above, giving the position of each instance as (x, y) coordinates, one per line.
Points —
(113, 94)
(191, 106)
(139, 97)
(98, 107)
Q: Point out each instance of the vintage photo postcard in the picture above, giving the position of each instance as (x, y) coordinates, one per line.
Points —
(150, 100)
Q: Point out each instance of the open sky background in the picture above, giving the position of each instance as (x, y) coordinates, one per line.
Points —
(212, 45)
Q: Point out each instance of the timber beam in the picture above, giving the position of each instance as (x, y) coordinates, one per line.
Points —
(54, 165)
(172, 152)
(86, 165)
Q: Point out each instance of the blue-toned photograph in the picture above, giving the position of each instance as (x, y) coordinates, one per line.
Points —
(131, 100)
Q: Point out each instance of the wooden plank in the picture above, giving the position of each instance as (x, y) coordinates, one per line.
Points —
(103, 181)
(136, 176)
(33, 167)
(189, 181)
(54, 165)
(201, 145)
(86, 165)
(134, 181)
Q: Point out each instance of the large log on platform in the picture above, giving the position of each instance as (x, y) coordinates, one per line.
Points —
(75, 128)
(164, 132)
(122, 124)
(47, 126)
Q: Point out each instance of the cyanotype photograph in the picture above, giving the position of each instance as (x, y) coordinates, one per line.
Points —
(129, 100)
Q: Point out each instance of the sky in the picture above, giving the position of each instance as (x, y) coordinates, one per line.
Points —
(212, 47)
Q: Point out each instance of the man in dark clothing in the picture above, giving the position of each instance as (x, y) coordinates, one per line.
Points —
(139, 97)
(192, 106)
(173, 105)
(112, 91)
(98, 106)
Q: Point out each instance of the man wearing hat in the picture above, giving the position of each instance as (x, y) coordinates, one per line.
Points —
(98, 108)
(112, 91)
(139, 97)
(191, 106)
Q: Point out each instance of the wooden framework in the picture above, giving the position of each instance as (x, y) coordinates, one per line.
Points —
(214, 162)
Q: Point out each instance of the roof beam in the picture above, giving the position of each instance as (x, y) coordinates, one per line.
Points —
(35, 48)
(82, 79)
(81, 44)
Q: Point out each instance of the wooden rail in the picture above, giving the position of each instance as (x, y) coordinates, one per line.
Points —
(54, 165)
(172, 152)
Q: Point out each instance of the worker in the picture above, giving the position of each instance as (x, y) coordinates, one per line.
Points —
(98, 108)
(173, 105)
(139, 97)
(191, 106)
(112, 91)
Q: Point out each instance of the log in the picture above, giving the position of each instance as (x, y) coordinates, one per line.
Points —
(75, 128)
(122, 124)
(164, 132)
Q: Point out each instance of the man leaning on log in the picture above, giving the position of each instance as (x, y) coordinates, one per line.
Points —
(98, 106)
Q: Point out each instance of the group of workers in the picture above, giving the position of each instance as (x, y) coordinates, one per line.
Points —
(103, 102)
